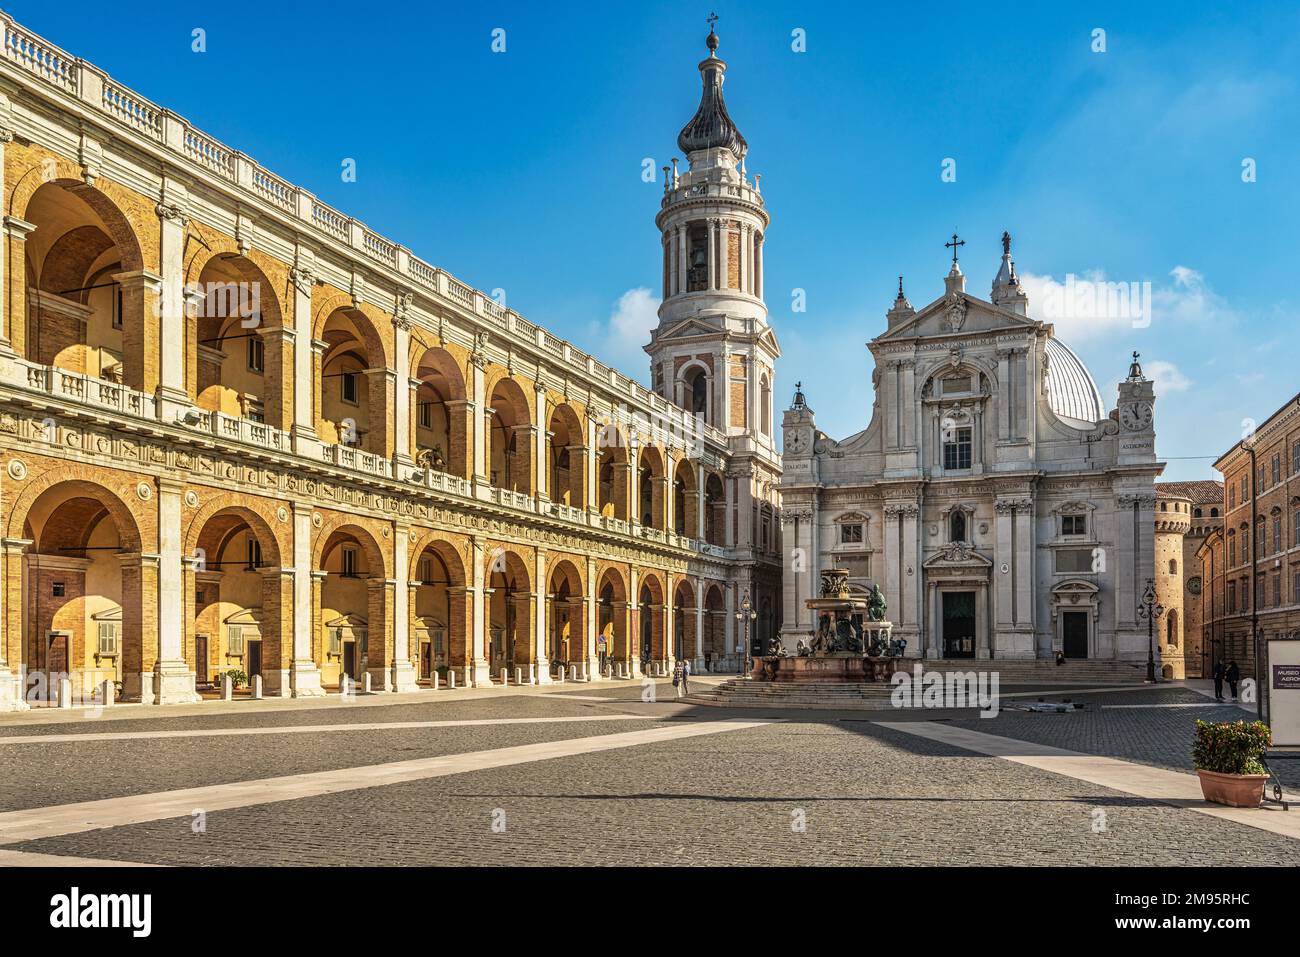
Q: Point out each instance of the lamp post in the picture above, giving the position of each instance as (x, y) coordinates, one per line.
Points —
(746, 615)
(1150, 609)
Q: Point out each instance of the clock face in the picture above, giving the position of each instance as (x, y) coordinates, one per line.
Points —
(1194, 585)
(1135, 416)
(794, 442)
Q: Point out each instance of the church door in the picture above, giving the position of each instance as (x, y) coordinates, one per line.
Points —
(1074, 633)
(959, 624)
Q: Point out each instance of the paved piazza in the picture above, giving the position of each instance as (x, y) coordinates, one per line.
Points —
(593, 775)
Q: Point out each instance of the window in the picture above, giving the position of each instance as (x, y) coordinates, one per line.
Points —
(1295, 528)
(349, 563)
(426, 415)
(1295, 589)
(1074, 560)
(57, 589)
(234, 639)
(1277, 533)
(117, 308)
(426, 570)
(1232, 551)
(1277, 590)
(851, 534)
(1232, 598)
(256, 354)
(1214, 513)
(1232, 496)
(1173, 566)
(108, 638)
(254, 554)
(1295, 459)
(336, 641)
(957, 526)
(1277, 468)
(957, 449)
(1074, 524)
(1245, 489)
(348, 387)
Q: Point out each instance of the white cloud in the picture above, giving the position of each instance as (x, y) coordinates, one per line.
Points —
(1089, 305)
(1166, 376)
(634, 316)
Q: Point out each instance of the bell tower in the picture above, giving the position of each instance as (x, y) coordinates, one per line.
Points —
(713, 351)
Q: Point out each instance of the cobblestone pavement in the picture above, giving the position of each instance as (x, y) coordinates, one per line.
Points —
(814, 788)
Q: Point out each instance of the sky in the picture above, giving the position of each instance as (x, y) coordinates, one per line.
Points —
(1159, 150)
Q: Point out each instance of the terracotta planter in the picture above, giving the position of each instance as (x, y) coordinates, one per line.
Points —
(1234, 790)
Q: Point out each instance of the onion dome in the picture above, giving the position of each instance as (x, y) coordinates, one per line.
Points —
(711, 127)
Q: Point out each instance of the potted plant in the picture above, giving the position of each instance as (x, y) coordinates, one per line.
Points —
(1227, 759)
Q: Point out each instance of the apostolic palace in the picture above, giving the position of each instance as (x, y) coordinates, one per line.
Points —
(239, 430)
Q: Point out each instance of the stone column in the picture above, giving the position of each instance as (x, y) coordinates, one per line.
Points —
(1026, 553)
(724, 254)
(934, 643)
(481, 418)
(402, 413)
(12, 624)
(591, 612)
(713, 254)
(697, 664)
(173, 399)
(404, 676)
(542, 447)
(304, 675)
(13, 336)
(541, 621)
(683, 266)
(479, 667)
(173, 679)
(699, 501)
(591, 465)
(633, 622)
(983, 635)
(670, 621)
(734, 635)
(305, 370)
(6, 344)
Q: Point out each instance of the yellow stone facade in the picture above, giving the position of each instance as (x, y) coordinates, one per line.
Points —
(241, 431)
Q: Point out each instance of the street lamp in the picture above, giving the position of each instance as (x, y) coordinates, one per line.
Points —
(746, 614)
(1150, 609)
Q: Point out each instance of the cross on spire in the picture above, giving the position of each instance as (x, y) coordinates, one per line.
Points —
(712, 19)
(954, 244)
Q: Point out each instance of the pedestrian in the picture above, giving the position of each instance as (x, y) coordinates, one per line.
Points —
(679, 677)
(1233, 675)
(686, 674)
(1218, 680)
(1060, 658)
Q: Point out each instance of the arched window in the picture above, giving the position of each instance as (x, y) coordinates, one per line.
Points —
(1214, 513)
(697, 383)
(1173, 566)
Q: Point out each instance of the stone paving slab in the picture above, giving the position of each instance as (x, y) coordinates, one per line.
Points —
(868, 796)
(64, 773)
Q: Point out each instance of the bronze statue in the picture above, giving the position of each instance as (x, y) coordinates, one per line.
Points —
(876, 606)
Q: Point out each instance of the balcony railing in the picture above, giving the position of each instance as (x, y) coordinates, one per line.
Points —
(357, 460)
(86, 390)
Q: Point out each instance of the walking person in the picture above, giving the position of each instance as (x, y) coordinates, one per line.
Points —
(679, 677)
(686, 674)
(1218, 680)
(1233, 675)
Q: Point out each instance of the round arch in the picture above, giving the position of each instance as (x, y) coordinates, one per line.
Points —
(441, 430)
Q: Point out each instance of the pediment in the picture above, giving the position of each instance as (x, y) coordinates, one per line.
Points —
(355, 622)
(245, 616)
(955, 314)
(1075, 586)
(689, 327)
(957, 555)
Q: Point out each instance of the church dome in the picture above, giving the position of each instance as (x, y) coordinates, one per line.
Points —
(1071, 391)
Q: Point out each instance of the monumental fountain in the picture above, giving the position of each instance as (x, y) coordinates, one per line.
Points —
(853, 641)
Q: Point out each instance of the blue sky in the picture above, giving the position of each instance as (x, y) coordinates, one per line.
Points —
(522, 170)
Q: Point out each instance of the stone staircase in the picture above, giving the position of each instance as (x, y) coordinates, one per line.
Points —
(833, 695)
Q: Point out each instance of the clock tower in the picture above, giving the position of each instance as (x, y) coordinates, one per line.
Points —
(1136, 409)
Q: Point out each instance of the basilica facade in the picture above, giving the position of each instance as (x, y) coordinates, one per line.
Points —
(1003, 510)
(240, 431)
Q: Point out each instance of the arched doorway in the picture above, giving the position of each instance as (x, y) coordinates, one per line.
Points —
(686, 637)
(566, 458)
(354, 612)
(240, 600)
(650, 623)
(352, 396)
(236, 343)
(81, 588)
(510, 446)
(716, 653)
(86, 295)
(650, 478)
(566, 632)
(509, 602)
(440, 613)
(611, 624)
(439, 421)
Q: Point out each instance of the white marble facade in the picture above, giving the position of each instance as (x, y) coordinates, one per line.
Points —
(1002, 509)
